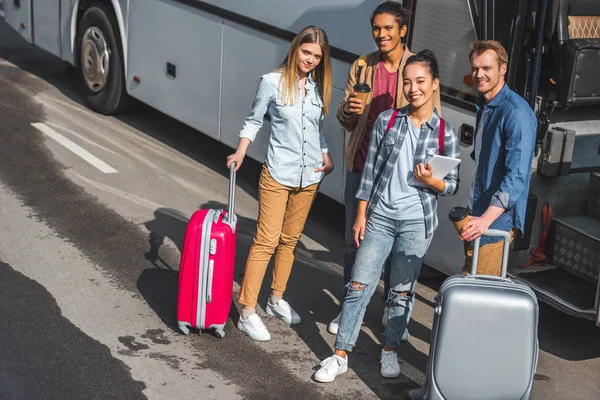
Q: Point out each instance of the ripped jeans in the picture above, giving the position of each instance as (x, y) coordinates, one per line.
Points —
(406, 243)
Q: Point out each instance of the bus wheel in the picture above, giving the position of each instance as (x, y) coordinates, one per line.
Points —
(101, 62)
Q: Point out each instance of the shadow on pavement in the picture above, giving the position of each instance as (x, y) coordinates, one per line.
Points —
(311, 286)
(52, 366)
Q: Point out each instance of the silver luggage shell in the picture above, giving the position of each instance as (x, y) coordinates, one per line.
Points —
(484, 340)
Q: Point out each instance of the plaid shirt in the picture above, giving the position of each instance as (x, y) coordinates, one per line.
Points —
(383, 153)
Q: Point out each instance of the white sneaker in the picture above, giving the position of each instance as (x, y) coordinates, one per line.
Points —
(386, 314)
(254, 328)
(334, 325)
(390, 368)
(330, 368)
(283, 311)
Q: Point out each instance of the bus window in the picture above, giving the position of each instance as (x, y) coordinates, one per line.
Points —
(446, 28)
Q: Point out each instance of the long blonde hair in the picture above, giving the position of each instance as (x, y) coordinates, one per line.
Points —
(321, 75)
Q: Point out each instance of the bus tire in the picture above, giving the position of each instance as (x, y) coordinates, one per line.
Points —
(100, 61)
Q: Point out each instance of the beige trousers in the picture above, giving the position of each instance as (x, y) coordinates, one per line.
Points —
(282, 213)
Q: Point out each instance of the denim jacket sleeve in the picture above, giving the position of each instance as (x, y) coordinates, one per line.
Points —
(519, 128)
(254, 121)
(367, 179)
(322, 140)
(451, 149)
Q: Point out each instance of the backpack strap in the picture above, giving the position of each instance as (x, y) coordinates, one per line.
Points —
(441, 133)
(392, 120)
(441, 136)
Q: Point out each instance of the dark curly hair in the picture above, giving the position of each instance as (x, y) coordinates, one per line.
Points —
(393, 8)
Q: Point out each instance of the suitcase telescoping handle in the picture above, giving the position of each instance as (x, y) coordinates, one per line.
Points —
(493, 232)
(231, 219)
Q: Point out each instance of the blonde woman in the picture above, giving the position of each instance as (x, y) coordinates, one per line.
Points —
(296, 96)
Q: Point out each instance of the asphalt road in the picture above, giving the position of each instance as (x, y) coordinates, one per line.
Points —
(89, 261)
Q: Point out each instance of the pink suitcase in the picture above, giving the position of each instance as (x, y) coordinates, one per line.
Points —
(206, 269)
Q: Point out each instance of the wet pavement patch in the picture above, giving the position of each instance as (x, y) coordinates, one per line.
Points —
(157, 336)
(130, 343)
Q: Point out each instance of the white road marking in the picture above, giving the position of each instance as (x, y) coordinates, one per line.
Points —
(2, 13)
(75, 148)
(335, 299)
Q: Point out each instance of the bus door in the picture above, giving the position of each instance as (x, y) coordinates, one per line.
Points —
(18, 16)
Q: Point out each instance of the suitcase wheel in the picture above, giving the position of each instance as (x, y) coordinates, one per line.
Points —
(220, 333)
(184, 329)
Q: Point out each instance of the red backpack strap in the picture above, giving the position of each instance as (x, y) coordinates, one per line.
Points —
(392, 120)
(441, 136)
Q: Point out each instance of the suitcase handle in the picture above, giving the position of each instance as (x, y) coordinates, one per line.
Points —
(493, 232)
(209, 281)
(230, 217)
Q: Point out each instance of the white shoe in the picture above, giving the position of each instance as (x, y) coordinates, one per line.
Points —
(386, 314)
(283, 311)
(254, 328)
(330, 368)
(390, 368)
(334, 325)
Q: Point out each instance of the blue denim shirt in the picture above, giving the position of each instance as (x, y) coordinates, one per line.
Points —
(297, 142)
(384, 149)
(504, 166)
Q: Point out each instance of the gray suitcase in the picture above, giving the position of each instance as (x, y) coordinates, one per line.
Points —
(484, 340)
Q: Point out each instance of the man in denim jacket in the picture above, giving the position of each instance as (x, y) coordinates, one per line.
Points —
(503, 151)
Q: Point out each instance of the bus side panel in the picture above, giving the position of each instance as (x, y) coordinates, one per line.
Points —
(46, 17)
(19, 18)
(259, 53)
(188, 89)
(446, 252)
(67, 42)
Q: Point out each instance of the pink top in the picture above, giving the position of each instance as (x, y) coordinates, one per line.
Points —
(384, 97)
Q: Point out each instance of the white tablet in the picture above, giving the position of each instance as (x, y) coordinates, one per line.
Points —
(441, 166)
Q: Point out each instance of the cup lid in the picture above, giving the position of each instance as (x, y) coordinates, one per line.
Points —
(362, 87)
(458, 214)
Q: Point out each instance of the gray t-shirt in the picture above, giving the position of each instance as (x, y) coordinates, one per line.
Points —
(399, 200)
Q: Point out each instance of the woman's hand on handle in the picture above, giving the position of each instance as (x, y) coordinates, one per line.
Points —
(238, 156)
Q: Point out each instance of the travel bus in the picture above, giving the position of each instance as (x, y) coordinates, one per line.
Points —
(199, 62)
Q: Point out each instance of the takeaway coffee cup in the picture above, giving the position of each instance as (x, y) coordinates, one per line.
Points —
(362, 90)
(459, 217)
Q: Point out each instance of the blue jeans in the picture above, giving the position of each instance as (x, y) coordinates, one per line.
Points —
(351, 204)
(406, 244)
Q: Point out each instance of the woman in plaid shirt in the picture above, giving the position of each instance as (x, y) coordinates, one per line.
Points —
(393, 217)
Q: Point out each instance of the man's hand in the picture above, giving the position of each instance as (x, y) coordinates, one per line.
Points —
(353, 104)
(327, 166)
(360, 225)
(476, 226)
